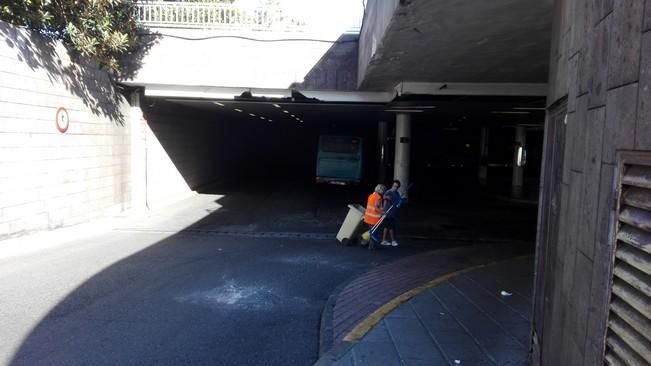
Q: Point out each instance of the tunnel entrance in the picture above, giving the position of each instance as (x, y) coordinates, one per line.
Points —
(267, 143)
(261, 157)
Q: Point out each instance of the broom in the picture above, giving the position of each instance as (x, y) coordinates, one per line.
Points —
(367, 235)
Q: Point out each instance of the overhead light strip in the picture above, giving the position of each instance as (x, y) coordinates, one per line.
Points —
(404, 110)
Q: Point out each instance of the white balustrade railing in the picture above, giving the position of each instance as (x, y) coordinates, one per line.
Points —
(207, 15)
(215, 16)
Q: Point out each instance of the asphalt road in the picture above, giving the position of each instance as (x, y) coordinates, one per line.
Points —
(173, 287)
(150, 293)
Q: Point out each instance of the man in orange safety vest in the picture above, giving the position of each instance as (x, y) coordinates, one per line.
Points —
(374, 209)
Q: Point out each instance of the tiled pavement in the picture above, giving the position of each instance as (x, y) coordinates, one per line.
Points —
(463, 321)
(368, 292)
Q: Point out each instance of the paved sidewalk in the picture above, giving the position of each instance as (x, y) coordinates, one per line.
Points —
(463, 321)
(362, 296)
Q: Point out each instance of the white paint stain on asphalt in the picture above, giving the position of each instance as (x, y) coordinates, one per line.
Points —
(231, 295)
(311, 260)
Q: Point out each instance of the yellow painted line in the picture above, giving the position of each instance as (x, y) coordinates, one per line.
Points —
(365, 325)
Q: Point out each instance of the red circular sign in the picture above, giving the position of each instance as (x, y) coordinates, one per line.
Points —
(62, 120)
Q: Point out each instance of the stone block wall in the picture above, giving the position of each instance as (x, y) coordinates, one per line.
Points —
(50, 179)
(601, 65)
(337, 68)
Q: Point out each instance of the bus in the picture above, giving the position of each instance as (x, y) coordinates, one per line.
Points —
(339, 160)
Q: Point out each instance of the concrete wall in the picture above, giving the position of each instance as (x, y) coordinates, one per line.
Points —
(50, 179)
(377, 16)
(465, 41)
(235, 59)
(337, 69)
(600, 62)
(186, 149)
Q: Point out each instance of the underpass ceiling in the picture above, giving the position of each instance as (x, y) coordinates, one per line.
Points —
(443, 109)
(463, 41)
(293, 112)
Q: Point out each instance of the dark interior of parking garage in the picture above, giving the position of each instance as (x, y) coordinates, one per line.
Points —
(264, 154)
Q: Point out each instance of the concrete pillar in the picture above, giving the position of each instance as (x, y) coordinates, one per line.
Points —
(402, 154)
(382, 132)
(138, 170)
(518, 171)
(483, 157)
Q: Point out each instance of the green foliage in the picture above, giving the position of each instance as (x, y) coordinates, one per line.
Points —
(209, 1)
(101, 30)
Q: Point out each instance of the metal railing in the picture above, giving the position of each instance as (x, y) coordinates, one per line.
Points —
(216, 16)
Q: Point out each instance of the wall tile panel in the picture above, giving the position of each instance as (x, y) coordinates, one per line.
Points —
(621, 114)
(643, 128)
(598, 63)
(624, 48)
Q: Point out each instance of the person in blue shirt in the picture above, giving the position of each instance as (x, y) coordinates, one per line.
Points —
(391, 199)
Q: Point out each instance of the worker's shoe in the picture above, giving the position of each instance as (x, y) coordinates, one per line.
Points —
(394, 243)
(384, 242)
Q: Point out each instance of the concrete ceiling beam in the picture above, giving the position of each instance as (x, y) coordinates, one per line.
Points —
(485, 89)
(229, 93)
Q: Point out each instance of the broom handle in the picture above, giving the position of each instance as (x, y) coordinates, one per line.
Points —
(377, 224)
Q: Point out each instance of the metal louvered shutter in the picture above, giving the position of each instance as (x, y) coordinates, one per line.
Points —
(629, 326)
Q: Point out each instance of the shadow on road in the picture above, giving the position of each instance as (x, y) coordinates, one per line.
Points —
(196, 297)
(187, 298)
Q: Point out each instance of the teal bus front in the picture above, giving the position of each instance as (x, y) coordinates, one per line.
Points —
(339, 160)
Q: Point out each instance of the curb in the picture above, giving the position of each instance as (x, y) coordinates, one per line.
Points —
(337, 350)
(520, 201)
(325, 328)
(375, 317)
(326, 334)
(460, 239)
(340, 348)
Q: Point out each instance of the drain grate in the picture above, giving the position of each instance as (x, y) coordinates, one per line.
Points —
(264, 234)
(245, 234)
